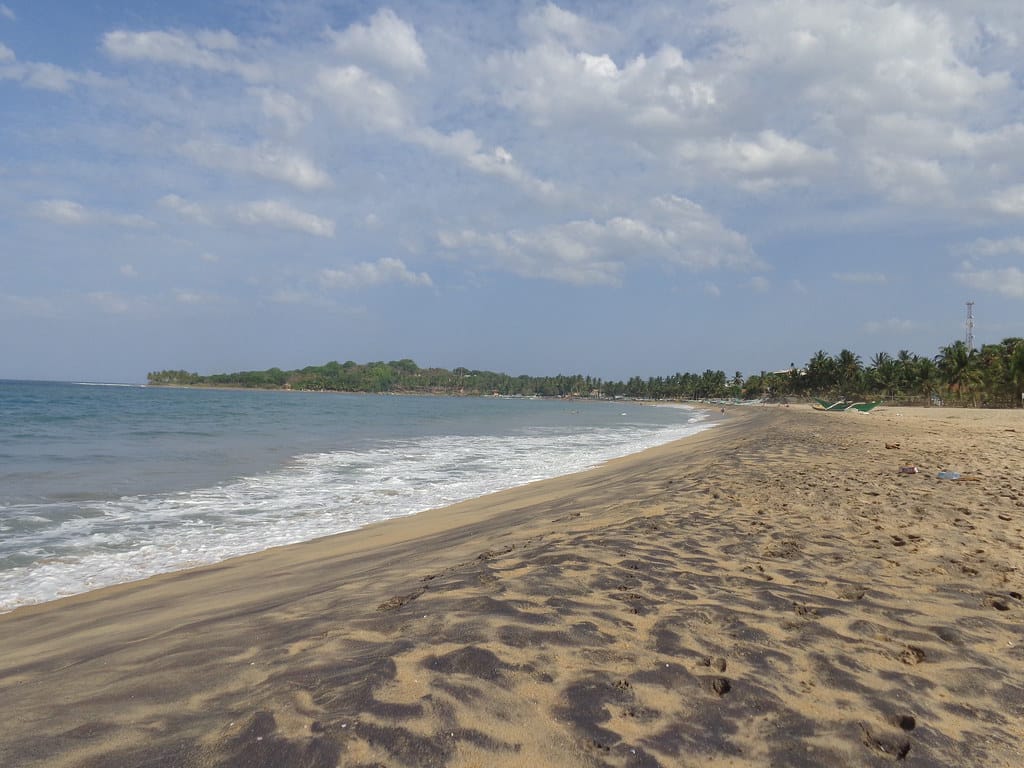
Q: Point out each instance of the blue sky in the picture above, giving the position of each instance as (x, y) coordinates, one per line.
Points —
(612, 189)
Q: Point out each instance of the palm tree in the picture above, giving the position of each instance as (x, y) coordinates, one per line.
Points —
(885, 372)
(848, 369)
(820, 373)
(1015, 371)
(926, 376)
(956, 366)
(905, 362)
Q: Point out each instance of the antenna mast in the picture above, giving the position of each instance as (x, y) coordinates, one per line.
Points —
(969, 336)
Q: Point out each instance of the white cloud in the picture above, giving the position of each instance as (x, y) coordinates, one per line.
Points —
(908, 179)
(1009, 200)
(860, 277)
(191, 297)
(386, 270)
(770, 154)
(387, 41)
(70, 212)
(551, 23)
(7, 13)
(1006, 282)
(357, 95)
(62, 211)
(205, 50)
(553, 84)
(891, 325)
(48, 77)
(266, 160)
(185, 208)
(284, 215)
(797, 286)
(984, 247)
(40, 75)
(857, 57)
(378, 106)
(283, 107)
(127, 270)
(712, 290)
(886, 100)
(760, 284)
(671, 230)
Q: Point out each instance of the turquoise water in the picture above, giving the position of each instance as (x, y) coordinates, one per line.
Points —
(102, 484)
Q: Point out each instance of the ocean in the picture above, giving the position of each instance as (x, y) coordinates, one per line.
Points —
(104, 484)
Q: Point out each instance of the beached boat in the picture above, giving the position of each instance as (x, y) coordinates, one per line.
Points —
(845, 405)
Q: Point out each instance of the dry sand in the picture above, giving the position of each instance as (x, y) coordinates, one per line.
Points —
(771, 592)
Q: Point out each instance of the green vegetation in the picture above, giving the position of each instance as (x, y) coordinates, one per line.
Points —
(992, 376)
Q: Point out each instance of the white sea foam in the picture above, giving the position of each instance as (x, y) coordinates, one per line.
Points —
(315, 495)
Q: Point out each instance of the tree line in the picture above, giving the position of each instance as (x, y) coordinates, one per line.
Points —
(990, 376)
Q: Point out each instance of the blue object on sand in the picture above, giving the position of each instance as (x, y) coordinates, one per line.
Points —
(949, 475)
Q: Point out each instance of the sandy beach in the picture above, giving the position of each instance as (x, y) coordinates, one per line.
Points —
(771, 592)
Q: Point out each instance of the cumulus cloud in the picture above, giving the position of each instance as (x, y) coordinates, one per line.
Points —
(378, 106)
(760, 284)
(284, 108)
(767, 160)
(672, 230)
(211, 51)
(1011, 246)
(1009, 200)
(882, 99)
(281, 214)
(908, 179)
(386, 270)
(859, 277)
(192, 297)
(41, 76)
(552, 84)
(70, 212)
(1006, 282)
(183, 207)
(7, 13)
(859, 57)
(386, 41)
(359, 96)
(551, 23)
(263, 159)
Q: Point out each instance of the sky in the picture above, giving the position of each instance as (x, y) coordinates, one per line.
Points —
(604, 188)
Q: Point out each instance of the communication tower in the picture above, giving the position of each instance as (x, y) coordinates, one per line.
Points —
(969, 336)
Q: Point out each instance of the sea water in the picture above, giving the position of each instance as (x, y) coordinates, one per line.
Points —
(104, 484)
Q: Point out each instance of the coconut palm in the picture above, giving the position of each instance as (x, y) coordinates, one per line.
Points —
(956, 367)
(820, 372)
(925, 378)
(848, 369)
(1015, 371)
(885, 373)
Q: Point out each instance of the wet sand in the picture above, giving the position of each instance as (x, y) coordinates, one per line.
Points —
(771, 592)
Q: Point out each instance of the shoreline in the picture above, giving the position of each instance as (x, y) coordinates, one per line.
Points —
(770, 590)
(161, 560)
